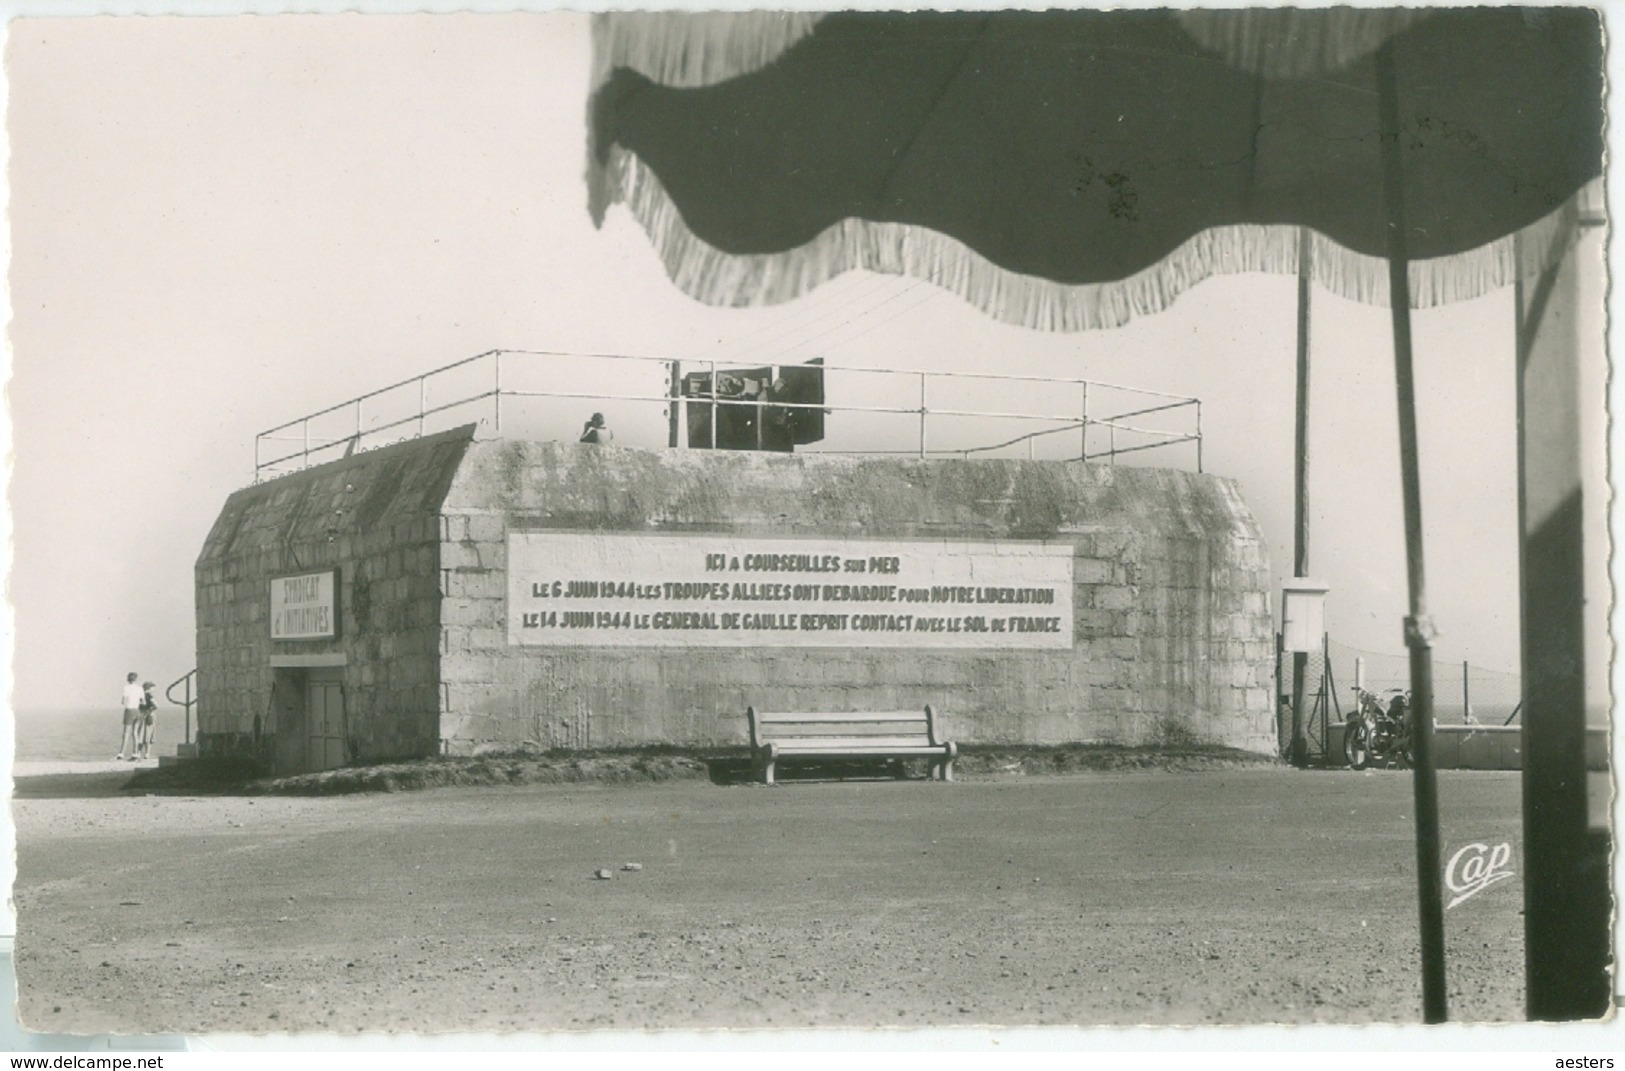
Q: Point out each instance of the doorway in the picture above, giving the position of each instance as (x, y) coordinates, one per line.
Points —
(324, 719)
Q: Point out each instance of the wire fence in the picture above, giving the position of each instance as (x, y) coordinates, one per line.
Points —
(1321, 721)
(1463, 694)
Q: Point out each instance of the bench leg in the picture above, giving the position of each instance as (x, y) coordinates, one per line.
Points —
(767, 771)
(947, 769)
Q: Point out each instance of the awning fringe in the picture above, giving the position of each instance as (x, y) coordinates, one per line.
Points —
(681, 49)
(718, 278)
(688, 49)
(1295, 42)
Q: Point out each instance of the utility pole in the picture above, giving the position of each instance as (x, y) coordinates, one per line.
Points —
(1300, 529)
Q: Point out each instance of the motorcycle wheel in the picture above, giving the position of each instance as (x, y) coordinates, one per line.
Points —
(1357, 745)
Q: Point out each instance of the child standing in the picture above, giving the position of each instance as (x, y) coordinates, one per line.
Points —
(148, 723)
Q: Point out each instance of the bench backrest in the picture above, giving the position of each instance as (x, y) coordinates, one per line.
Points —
(885, 728)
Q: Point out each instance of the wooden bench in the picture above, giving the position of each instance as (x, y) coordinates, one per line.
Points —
(879, 735)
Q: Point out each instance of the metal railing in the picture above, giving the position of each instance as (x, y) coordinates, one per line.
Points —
(942, 414)
(187, 700)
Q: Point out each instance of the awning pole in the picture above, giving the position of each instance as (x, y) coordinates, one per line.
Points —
(1418, 626)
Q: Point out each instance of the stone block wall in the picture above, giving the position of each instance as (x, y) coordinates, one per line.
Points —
(1171, 638)
(373, 517)
(1173, 635)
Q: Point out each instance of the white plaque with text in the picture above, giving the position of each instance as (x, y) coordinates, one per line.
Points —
(581, 590)
(302, 607)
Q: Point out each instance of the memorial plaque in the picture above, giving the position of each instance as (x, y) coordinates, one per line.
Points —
(595, 590)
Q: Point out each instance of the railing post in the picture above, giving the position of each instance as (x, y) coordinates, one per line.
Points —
(674, 390)
(1083, 452)
(423, 402)
(304, 457)
(1466, 696)
(1198, 435)
(922, 415)
(357, 444)
(1111, 445)
(714, 387)
(496, 362)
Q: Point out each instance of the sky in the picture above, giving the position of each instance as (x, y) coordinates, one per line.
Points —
(220, 224)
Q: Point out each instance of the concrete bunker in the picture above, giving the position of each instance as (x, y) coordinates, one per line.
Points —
(449, 594)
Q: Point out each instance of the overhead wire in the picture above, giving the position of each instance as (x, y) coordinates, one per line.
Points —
(807, 311)
(820, 314)
(932, 293)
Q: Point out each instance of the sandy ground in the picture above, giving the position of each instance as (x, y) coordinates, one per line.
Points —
(1233, 897)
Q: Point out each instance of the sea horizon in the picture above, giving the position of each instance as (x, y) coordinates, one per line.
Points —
(85, 734)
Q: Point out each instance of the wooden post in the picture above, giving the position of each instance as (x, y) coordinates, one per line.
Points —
(1300, 551)
(1282, 732)
(1323, 700)
(1300, 733)
(1300, 492)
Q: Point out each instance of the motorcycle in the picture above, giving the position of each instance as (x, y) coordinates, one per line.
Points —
(1379, 733)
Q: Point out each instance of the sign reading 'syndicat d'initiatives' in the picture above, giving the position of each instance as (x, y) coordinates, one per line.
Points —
(579, 590)
(302, 607)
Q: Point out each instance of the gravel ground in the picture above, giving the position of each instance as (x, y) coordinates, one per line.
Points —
(1219, 897)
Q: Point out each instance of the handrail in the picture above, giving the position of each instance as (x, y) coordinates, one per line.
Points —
(831, 367)
(313, 441)
(1115, 450)
(1026, 438)
(381, 390)
(1156, 408)
(189, 700)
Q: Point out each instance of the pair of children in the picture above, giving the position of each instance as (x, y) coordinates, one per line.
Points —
(140, 721)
